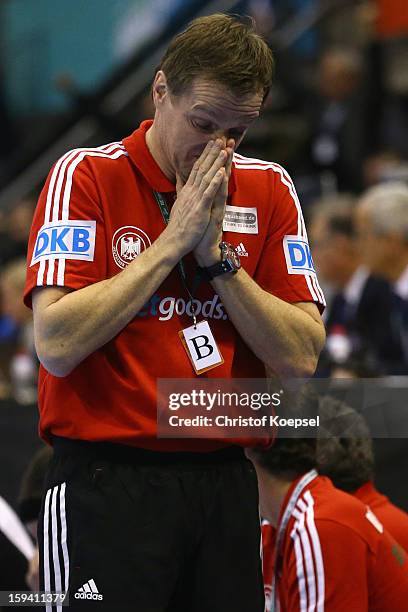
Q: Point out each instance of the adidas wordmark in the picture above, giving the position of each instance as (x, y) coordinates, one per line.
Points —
(88, 591)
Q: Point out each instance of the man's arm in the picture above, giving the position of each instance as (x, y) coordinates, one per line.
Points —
(288, 338)
(70, 325)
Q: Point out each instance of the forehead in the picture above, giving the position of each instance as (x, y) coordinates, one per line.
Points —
(214, 100)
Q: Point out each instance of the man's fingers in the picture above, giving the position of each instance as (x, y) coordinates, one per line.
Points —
(197, 164)
(210, 165)
(179, 183)
(213, 187)
(220, 198)
(203, 181)
(230, 152)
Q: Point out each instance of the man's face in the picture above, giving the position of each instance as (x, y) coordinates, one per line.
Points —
(331, 252)
(205, 111)
(377, 251)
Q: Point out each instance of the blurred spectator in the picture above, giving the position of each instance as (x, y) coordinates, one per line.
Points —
(22, 372)
(346, 456)
(32, 488)
(383, 167)
(336, 117)
(30, 500)
(382, 222)
(16, 551)
(8, 136)
(388, 74)
(16, 224)
(360, 300)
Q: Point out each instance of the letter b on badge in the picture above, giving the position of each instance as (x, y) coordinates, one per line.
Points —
(201, 347)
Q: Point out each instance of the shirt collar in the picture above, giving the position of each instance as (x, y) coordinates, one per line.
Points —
(368, 493)
(290, 491)
(136, 146)
(355, 286)
(401, 286)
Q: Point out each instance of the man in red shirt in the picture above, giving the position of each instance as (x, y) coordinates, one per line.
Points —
(110, 296)
(330, 551)
(347, 458)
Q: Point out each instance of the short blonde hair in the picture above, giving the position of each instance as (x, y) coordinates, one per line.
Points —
(222, 48)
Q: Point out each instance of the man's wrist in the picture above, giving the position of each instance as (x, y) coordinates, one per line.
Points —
(208, 259)
(170, 247)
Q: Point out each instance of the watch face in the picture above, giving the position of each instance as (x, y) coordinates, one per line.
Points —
(229, 253)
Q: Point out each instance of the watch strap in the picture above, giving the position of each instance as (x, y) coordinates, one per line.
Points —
(221, 267)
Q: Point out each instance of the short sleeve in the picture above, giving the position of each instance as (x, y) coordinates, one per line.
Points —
(286, 266)
(67, 245)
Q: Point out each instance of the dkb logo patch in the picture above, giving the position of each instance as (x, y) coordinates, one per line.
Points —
(298, 256)
(65, 240)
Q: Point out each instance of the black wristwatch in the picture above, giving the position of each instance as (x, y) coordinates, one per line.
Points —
(230, 262)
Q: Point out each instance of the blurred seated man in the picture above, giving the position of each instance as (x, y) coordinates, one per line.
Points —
(360, 300)
(15, 230)
(16, 551)
(331, 552)
(20, 364)
(382, 223)
(347, 458)
(30, 499)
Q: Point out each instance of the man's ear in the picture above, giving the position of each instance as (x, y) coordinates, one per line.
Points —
(159, 88)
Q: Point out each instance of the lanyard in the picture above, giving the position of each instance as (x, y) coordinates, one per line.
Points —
(181, 268)
(307, 478)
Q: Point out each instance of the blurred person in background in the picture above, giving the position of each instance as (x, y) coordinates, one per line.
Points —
(16, 552)
(15, 231)
(19, 361)
(8, 139)
(328, 551)
(360, 300)
(345, 454)
(384, 166)
(389, 65)
(30, 499)
(382, 224)
(336, 117)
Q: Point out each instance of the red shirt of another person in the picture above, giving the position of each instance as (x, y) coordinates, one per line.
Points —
(336, 556)
(393, 518)
(96, 213)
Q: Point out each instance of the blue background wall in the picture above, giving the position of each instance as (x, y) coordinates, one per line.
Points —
(43, 38)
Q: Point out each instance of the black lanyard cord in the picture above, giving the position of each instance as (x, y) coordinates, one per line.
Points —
(181, 267)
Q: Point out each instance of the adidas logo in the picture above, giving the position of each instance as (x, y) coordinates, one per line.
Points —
(88, 591)
(240, 249)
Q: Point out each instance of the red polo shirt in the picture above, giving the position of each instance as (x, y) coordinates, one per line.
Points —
(336, 555)
(393, 518)
(95, 215)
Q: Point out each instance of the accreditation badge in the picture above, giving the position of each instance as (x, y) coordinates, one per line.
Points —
(201, 347)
